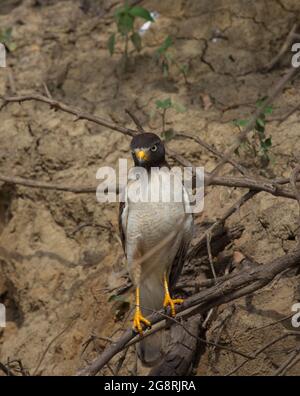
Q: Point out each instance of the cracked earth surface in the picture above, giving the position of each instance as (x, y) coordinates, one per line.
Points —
(53, 277)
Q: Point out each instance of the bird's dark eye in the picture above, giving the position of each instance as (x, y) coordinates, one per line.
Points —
(154, 148)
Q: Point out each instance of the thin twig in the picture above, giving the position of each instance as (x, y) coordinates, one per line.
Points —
(275, 91)
(196, 337)
(6, 370)
(208, 239)
(52, 341)
(284, 48)
(57, 105)
(121, 361)
(283, 118)
(135, 120)
(287, 363)
(271, 186)
(210, 148)
(260, 350)
(272, 323)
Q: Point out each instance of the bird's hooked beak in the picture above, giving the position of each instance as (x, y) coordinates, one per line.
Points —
(141, 155)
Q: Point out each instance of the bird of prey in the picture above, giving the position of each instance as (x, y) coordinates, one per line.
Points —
(155, 238)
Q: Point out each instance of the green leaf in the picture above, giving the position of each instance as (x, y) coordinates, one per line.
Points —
(168, 135)
(111, 43)
(241, 123)
(169, 57)
(164, 104)
(6, 38)
(168, 42)
(125, 23)
(179, 108)
(136, 41)
(268, 110)
(12, 46)
(184, 68)
(260, 102)
(119, 11)
(7, 34)
(260, 126)
(260, 122)
(141, 13)
(268, 142)
(260, 129)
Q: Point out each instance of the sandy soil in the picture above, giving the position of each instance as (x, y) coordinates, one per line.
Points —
(54, 279)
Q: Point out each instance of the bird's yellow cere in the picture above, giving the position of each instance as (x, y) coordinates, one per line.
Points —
(141, 155)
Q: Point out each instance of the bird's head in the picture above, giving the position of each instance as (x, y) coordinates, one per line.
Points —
(148, 150)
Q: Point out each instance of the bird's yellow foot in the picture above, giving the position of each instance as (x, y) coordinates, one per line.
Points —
(138, 320)
(169, 301)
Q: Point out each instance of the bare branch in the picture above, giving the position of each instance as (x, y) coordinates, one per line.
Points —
(284, 48)
(262, 349)
(45, 185)
(210, 148)
(57, 105)
(276, 90)
(238, 285)
(259, 184)
(135, 120)
(6, 370)
(288, 363)
(52, 342)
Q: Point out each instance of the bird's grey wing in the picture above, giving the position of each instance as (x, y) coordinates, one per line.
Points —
(123, 211)
(179, 260)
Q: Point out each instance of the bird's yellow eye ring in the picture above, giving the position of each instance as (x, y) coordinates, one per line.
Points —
(154, 148)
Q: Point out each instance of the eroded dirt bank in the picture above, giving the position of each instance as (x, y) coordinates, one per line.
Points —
(54, 276)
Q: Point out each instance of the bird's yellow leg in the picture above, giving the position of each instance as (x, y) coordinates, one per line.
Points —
(138, 318)
(168, 300)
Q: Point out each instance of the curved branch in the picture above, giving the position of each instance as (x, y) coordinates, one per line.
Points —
(270, 186)
(238, 285)
(57, 105)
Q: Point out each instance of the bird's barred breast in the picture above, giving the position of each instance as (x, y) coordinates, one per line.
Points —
(148, 227)
(150, 223)
(153, 221)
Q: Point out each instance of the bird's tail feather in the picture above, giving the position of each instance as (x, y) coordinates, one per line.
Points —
(150, 349)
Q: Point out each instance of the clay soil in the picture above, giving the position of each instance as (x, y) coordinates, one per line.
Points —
(55, 275)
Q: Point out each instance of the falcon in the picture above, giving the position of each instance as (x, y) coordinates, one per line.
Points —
(155, 237)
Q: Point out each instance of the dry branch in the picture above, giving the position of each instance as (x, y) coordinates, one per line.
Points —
(210, 148)
(259, 184)
(238, 285)
(284, 48)
(6, 370)
(275, 91)
(57, 105)
(254, 183)
(263, 348)
(233, 287)
(45, 185)
(80, 115)
(288, 363)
